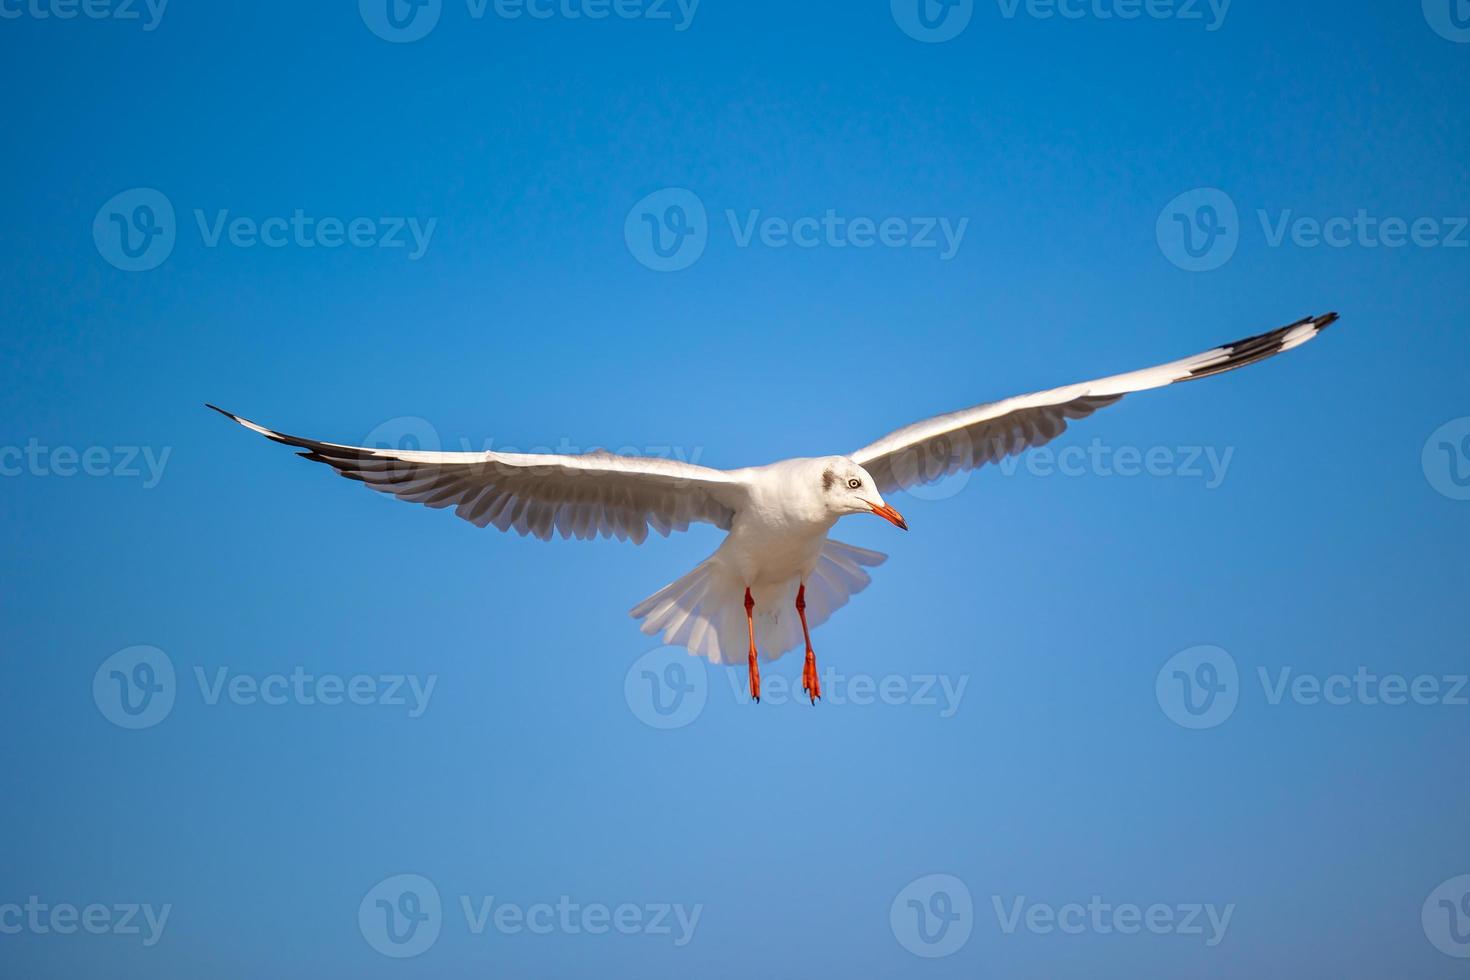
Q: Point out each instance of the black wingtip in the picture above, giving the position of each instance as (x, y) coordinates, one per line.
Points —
(228, 415)
(1264, 345)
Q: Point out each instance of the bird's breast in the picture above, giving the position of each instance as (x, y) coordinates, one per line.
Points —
(769, 551)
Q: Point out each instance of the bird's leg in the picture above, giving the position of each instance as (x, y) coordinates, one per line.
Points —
(755, 670)
(809, 682)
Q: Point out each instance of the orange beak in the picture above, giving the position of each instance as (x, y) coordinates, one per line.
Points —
(890, 515)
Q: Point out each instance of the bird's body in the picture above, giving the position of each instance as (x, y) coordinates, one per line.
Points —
(780, 524)
(777, 574)
(777, 542)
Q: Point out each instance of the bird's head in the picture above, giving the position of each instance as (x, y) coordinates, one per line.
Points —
(847, 488)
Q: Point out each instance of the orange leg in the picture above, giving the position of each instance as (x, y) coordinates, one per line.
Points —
(809, 682)
(755, 670)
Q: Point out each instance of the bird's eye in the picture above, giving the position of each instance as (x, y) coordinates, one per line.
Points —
(854, 483)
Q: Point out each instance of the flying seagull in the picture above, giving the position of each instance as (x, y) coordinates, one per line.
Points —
(777, 555)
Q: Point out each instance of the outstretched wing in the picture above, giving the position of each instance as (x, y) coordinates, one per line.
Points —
(596, 494)
(935, 448)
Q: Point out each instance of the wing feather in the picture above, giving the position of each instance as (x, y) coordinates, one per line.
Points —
(584, 496)
(928, 451)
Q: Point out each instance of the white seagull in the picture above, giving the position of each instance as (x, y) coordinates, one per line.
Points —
(777, 555)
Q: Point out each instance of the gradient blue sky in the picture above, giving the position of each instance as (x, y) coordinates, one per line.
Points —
(528, 321)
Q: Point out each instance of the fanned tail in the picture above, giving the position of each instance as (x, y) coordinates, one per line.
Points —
(704, 611)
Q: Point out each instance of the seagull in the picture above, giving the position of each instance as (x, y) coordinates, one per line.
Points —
(777, 555)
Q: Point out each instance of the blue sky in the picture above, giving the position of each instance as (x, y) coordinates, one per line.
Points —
(440, 232)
